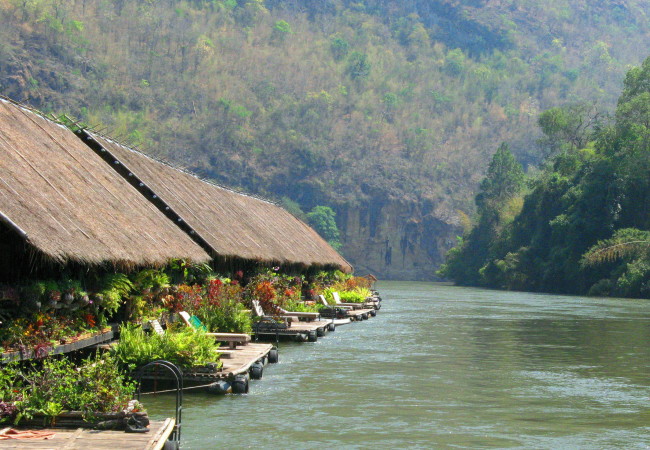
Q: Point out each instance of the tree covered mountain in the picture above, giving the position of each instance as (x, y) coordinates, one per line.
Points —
(582, 224)
(386, 111)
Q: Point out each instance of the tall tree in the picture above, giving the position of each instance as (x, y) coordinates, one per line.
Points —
(584, 226)
(567, 127)
(504, 178)
(323, 219)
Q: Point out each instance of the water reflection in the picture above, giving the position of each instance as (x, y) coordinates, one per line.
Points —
(445, 366)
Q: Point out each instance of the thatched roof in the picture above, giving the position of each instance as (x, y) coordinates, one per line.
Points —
(67, 203)
(233, 224)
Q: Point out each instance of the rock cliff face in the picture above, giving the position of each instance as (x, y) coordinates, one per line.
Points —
(397, 241)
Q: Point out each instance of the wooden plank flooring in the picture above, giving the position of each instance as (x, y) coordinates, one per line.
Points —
(309, 326)
(357, 313)
(237, 361)
(297, 327)
(84, 439)
(243, 357)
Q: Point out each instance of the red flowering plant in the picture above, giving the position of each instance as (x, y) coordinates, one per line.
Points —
(260, 288)
(185, 297)
(273, 290)
(217, 303)
(222, 309)
(214, 292)
(42, 331)
(264, 292)
(351, 283)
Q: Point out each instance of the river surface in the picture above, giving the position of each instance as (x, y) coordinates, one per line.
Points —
(447, 367)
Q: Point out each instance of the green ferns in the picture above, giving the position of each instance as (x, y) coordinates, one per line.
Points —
(180, 345)
(115, 287)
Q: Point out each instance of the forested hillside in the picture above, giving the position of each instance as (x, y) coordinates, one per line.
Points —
(582, 224)
(386, 111)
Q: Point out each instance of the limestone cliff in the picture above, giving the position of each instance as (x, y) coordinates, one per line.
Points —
(394, 240)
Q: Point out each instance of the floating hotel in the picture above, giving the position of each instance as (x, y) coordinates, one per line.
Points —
(73, 199)
(84, 199)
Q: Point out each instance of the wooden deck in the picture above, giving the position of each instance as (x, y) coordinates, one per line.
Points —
(84, 439)
(235, 362)
(238, 362)
(298, 330)
(242, 358)
(358, 314)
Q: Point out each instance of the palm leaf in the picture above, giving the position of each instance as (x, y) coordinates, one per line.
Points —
(626, 243)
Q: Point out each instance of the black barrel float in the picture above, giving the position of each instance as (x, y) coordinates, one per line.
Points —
(256, 370)
(312, 336)
(300, 337)
(331, 327)
(171, 445)
(240, 384)
(320, 332)
(373, 313)
(364, 316)
(220, 387)
(273, 356)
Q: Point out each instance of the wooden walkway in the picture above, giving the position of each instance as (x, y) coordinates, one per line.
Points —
(233, 377)
(235, 362)
(241, 359)
(84, 439)
(362, 314)
(299, 330)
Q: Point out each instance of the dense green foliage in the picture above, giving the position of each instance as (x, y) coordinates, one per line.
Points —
(218, 305)
(180, 345)
(323, 220)
(328, 102)
(356, 295)
(583, 224)
(504, 180)
(95, 385)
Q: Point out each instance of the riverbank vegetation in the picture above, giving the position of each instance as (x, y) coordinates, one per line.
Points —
(580, 224)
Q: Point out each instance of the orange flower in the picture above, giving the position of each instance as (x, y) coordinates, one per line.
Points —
(90, 320)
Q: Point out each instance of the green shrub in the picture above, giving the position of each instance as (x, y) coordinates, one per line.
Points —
(302, 307)
(179, 345)
(358, 295)
(230, 317)
(218, 304)
(96, 385)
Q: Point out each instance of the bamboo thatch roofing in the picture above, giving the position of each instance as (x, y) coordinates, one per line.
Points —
(232, 224)
(67, 203)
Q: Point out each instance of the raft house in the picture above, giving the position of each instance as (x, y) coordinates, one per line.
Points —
(71, 198)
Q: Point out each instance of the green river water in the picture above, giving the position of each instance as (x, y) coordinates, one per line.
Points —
(447, 367)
